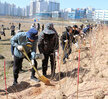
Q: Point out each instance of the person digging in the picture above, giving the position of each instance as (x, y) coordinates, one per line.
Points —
(20, 41)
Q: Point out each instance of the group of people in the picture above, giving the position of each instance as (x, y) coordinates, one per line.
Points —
(67, 38)
(38, 27)
(12, 28)
(70, 37)
(47, 42)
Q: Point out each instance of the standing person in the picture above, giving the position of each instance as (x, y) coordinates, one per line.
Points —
(20, 41)
(33, 25)
(42, 27)
(0, 36)
(3, 30)
(38, 26)
(19, 26)
(66, 41)
(48, 45)
(12, 29)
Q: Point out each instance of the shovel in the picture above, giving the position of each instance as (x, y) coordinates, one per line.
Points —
(41, 78)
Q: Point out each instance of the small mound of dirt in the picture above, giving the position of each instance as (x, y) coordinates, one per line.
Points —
(82, 72)
(34, 92)
(107, 62)
(76, 58)
(99, 95)
(18, 88)
(96, 71)
(72, 73)
(81, 79)
(60, 75)
(85, 65)
(87, 48)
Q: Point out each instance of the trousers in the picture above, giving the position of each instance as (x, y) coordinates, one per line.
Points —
(17, 66)
(45, 63)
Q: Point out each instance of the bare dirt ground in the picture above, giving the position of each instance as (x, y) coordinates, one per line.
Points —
(93, 79)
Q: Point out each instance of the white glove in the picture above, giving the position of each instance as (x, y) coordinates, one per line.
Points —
(66, 41)
(12, 56)
(39, 56)
(56, 53)
(76, 44)
(75, 36)
(33, 63)
(20, 47)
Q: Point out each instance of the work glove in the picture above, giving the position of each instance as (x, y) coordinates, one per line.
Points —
(12, 56)
(76, 44)
(39, 56)
(75, 36)
(32, 62)
(56, 53)
(65, 41)
(20, 47)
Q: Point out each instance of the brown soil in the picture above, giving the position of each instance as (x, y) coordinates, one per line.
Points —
(93, 70)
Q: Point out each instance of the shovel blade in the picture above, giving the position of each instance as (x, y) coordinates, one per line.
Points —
(45, 80)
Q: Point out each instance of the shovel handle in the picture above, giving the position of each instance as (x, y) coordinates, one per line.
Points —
(24, 52)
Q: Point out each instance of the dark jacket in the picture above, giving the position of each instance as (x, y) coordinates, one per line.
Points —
(75, 32)
(47, 44)
(66, 36)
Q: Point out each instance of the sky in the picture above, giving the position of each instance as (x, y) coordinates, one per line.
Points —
(98, 4)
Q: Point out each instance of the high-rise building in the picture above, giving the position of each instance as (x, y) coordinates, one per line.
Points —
(12, 10)
(43, 6)
(32, 7)
(2, 11)
(27, 11)
(0, 8)
(101, 15)
(53, 6)
(19, 11)
(80, 13)
(90, 13)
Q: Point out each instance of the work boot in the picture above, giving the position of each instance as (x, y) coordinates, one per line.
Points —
(52, 74)
(35, 79)
(64, 61)
(44, 71)
(15, 82)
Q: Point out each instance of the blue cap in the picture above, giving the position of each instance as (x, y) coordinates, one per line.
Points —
(32, 34)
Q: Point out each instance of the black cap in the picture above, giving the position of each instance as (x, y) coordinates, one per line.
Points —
(75, 26)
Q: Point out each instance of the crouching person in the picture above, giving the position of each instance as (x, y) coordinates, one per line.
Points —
(20, 41)
(48, 45)
(66, 43)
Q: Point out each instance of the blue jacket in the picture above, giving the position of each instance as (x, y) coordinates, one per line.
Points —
(85, 30)
(21, 39)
